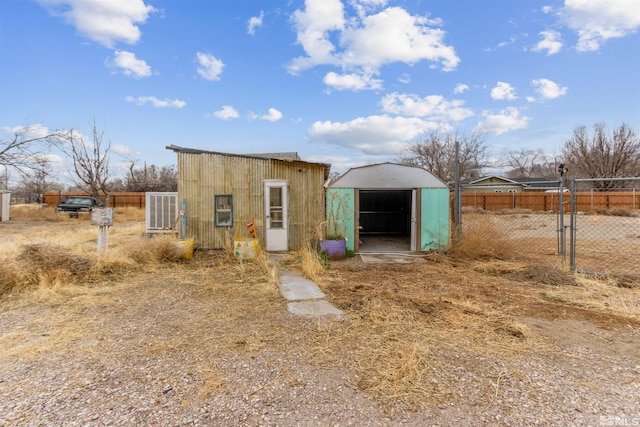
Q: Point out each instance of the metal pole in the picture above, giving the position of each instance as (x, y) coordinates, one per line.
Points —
(572, 229)
(561, 231)
(183, 229)
(561, 238)
(458, 199)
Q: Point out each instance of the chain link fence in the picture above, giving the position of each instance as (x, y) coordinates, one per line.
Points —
(587, 231)
(531, 235)
(604, 241)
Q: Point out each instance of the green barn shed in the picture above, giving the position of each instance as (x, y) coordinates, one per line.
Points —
(389, 207)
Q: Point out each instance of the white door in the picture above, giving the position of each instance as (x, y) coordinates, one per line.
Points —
(276, 215)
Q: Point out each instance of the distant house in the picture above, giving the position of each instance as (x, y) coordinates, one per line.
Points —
(499, 184)
(392, 207)
(282, 194)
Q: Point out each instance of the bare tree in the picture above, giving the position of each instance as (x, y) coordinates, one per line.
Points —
(151, 178)
(333, 177)
(437, 154)
(37, 181)
(603, 154)
(90, 162)
(529, 163)
(21, 151)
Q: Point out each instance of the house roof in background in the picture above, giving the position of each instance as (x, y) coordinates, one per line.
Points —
(496, 180)
(537, 182)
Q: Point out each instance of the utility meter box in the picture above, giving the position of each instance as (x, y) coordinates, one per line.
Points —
(102, 216)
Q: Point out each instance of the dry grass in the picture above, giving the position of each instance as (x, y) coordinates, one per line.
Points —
(406, 332)
(483, 238)
(34, 211)
(618, 212)
(43, 212)
(405, 340)
(603, 294)
(53, 260)
(312, 265)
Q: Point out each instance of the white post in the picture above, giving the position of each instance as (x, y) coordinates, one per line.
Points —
(103, 218)
(103, 237)
(100, 235)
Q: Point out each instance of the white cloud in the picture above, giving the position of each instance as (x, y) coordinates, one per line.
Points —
(503, 91)
(225, 113)
(511, 41)
(130, 65)
(551, 42)
(157, 103)
(312, 27)
(354, 82)
(502, 44)
(596, 21)
(372, 135)
(28, 132)
(123, 150)
(364, 43)
(435, 107)
(339, 164)
(394, 35)
(460, 88)
(363, 7)
(254, 22)
(549, 89)
(105, 22)
(273, 115)
(506, 120)
(210, 68)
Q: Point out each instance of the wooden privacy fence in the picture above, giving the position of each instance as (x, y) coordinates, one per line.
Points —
(586, 201)
(116, 200)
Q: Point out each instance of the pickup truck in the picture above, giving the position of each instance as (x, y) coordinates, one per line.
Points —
(76, 205)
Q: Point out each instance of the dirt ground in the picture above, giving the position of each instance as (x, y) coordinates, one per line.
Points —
(208, 342)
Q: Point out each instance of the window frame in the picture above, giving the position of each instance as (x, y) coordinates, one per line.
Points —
(218, 211)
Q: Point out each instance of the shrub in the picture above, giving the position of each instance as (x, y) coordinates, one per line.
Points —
(482, 238)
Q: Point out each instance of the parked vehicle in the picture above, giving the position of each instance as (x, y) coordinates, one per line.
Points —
(76, 205)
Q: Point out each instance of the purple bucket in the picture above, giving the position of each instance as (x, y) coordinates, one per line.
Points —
(334, 248)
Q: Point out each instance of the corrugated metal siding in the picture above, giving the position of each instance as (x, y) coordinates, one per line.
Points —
(201, 176)
(434, 220)
(341, 208)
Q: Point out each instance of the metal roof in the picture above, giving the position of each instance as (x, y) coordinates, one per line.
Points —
(283, 157)
(388, 176)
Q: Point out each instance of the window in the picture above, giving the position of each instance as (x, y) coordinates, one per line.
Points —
(224, 210)
(275, 208)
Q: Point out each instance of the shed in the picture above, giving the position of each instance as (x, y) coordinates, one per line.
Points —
(5, 203)
(391, 208)
(282, 194)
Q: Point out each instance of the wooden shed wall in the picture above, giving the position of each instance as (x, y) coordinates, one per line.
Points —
(201, 176)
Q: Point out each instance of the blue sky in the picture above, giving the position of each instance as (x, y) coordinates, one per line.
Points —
(345, 82)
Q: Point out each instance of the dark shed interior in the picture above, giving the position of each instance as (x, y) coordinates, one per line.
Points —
(385, 212)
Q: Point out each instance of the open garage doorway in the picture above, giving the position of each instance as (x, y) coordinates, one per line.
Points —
(391, 208)
(386, 220)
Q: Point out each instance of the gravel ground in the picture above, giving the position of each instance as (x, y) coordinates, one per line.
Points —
(113, 377)
(166, 350)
